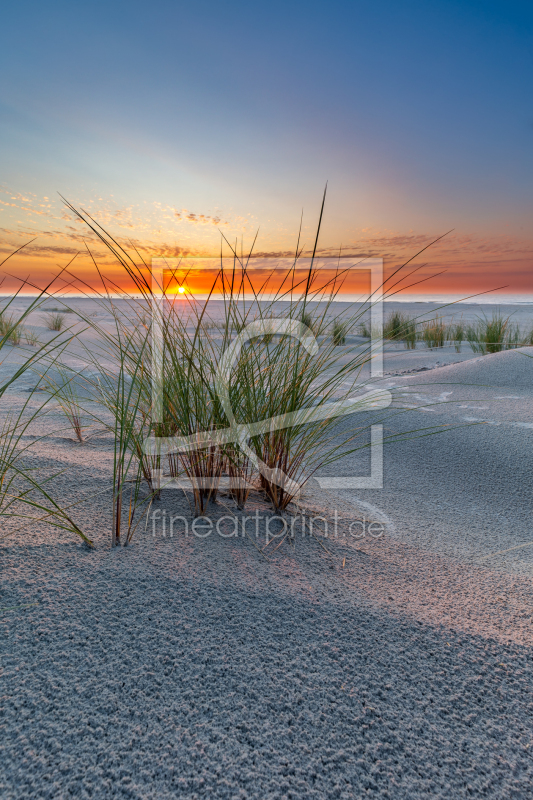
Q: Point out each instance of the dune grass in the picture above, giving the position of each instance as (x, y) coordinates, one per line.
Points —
(31, 338)
(10, 328)
(54, 321)
(279, 395)
(396, 327)
(253, 398)
(485, 335)
(363, 329)
(401, 327)
(25, 496)
(494, 332)
(434, 332)
(120, 403)
(492, 335)
(339, 332)
(64, 391)
(275, 375)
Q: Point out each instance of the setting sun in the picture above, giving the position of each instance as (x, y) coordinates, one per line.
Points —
(181, 289)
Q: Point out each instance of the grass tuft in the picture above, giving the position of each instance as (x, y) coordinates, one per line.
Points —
(339, 333)
(54, 321)
(253, 404)
(401, 327)
(64, 391)
(31, 337)
(10, 329)
(492, 335)
(434, 332)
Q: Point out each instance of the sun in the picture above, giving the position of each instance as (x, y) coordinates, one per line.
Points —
(181, 289)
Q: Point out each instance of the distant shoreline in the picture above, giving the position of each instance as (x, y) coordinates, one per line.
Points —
(503, 300)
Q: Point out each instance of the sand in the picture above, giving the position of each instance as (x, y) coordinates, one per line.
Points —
(396, 665)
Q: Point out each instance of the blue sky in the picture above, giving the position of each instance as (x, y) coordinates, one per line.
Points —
(170, 121)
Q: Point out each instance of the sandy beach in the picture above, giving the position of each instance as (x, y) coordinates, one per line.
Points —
(392, 661)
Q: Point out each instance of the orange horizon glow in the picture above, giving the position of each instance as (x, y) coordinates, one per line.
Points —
(512, 275)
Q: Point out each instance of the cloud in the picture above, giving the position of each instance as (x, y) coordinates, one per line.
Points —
(154, 228)
(56, 250)
(198, 219)
(145, 218)
(27, 204)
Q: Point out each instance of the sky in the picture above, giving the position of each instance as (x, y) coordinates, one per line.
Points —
(176, 124)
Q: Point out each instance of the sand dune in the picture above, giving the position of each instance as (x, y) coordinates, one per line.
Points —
(396, 665)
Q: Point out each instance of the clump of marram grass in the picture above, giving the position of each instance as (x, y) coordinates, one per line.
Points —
(494, 332)
(393, 326)
(364, 329)
(490, 335)
(16, 335)
(31, 337)
(396, 327)
(433, 332)
(256, 404)
(401, 327)
(338, 334)
(11, 329)
(54, 321)
(268, 380)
